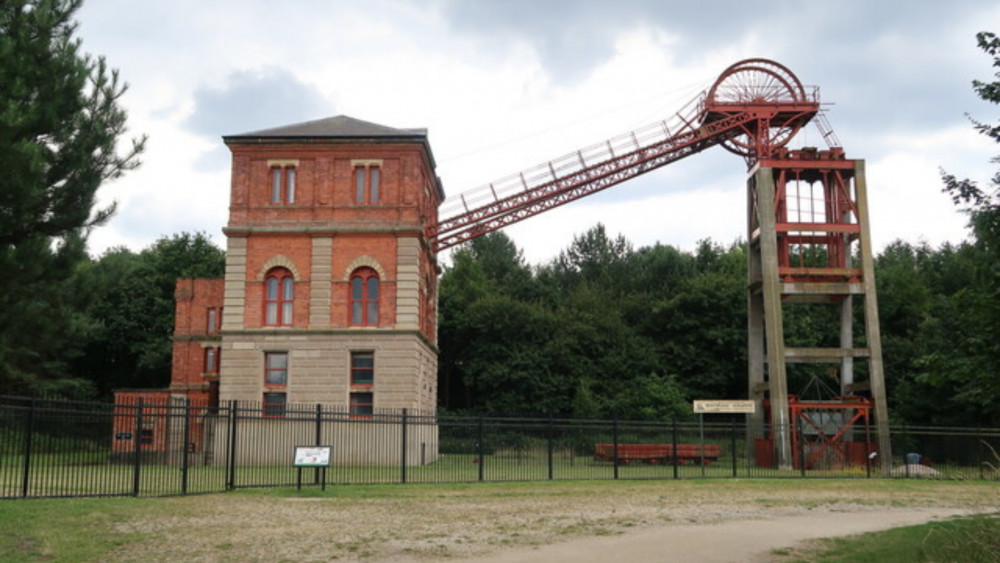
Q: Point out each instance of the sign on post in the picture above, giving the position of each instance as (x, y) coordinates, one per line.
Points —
(728, 406)
(312, 456)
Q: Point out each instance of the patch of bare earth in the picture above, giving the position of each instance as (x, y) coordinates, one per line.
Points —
(430, 523)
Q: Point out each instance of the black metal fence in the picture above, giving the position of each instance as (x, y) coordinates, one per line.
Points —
(72, 449)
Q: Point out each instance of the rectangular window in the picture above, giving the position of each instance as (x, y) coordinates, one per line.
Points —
(275, 382)
(276, 369)
(276, 185)
(362, 368)
(211, 360)
(362, 405)
(359, 185)
(367, 184)
(212, 321)
(274, 404)
(289, 185)
(283, 185)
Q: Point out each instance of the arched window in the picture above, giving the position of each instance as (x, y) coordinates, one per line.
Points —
(279, 293)
(364, 297)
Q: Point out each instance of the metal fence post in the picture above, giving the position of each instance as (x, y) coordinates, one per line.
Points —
(548, 438)
(802, 445)
(701, 442)
(402, 456)
(980, 440)
(480, 448)
(673, 448)
(231, 462)
(29, 431)
(868, 448)
(906, 442)
(137, 449)
(319, 439)
(732, 444)
(184, 454)
(614, 441)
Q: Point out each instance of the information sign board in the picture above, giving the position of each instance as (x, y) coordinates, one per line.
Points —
(725, 407)
(312, 456)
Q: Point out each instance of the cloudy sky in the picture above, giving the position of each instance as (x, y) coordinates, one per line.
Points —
(503, 85)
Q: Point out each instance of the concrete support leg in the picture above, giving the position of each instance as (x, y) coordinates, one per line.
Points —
(755, 361)
(773, 323)
(872, 331)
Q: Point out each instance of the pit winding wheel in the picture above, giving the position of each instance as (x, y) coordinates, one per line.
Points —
(769, 91)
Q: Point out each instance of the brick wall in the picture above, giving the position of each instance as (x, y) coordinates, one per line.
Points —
(322, 237)
(193, 299)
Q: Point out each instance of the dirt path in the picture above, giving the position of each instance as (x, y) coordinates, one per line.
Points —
(621, 521)
(729, 542)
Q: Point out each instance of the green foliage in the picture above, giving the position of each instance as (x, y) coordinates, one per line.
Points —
(133, 309)
(700, 324)
(584, 406)
(60, 124)
(959, 353)
(595, 258)
(584, 335)
(41, 319)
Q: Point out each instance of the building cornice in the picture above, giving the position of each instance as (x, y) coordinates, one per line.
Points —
(318, 230)
(288, 332)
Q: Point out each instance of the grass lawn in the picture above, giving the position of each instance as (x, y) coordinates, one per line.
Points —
(969, 540)
(426, 521)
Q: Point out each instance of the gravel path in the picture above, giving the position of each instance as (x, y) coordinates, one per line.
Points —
(723, 520)
(726, 542)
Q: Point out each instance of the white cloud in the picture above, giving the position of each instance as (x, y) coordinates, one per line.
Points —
(675, 219)
(500, 93)
(905, 194)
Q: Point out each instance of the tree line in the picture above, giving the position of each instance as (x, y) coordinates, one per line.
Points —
(606, 329)
(602, 329)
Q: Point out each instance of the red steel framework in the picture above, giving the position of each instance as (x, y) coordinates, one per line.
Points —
(808, 233)
(754, 108)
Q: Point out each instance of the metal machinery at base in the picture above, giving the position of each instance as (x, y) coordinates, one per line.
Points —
(807, 223)
(823, 434)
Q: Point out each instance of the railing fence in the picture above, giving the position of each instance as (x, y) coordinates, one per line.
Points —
(72, 449)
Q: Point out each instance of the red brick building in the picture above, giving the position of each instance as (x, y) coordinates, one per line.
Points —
(330, 289)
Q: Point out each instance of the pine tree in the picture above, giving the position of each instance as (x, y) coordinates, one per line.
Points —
(60, 122)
